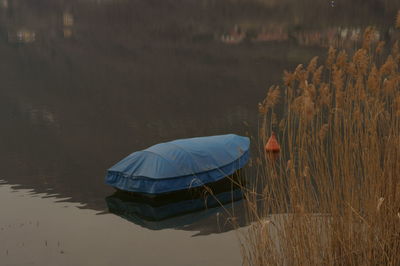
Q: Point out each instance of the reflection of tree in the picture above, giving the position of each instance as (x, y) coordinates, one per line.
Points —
(179, 20)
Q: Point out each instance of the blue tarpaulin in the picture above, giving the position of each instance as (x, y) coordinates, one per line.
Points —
(180, 164)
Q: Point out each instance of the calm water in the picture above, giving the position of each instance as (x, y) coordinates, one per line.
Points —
(85, 83)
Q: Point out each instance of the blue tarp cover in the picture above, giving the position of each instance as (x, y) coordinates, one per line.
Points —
(180, 164)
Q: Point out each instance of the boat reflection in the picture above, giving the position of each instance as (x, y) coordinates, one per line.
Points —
(176, 210)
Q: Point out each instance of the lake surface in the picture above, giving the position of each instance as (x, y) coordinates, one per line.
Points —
(85, 83)
(41, 231)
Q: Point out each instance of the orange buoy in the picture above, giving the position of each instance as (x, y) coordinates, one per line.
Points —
(272, 144)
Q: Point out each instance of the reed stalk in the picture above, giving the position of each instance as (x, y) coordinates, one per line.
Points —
(332, 196)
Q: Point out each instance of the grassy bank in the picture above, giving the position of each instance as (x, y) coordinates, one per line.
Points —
(334, 190)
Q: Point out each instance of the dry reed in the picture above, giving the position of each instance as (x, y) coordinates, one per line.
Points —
(398, 20)
(332, 197)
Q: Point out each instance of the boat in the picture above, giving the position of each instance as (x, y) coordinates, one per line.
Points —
(181, 164)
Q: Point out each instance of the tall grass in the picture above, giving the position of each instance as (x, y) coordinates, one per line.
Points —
(332, 196)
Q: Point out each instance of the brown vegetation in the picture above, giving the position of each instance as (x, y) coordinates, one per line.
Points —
(333, 195)
(398, 20)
